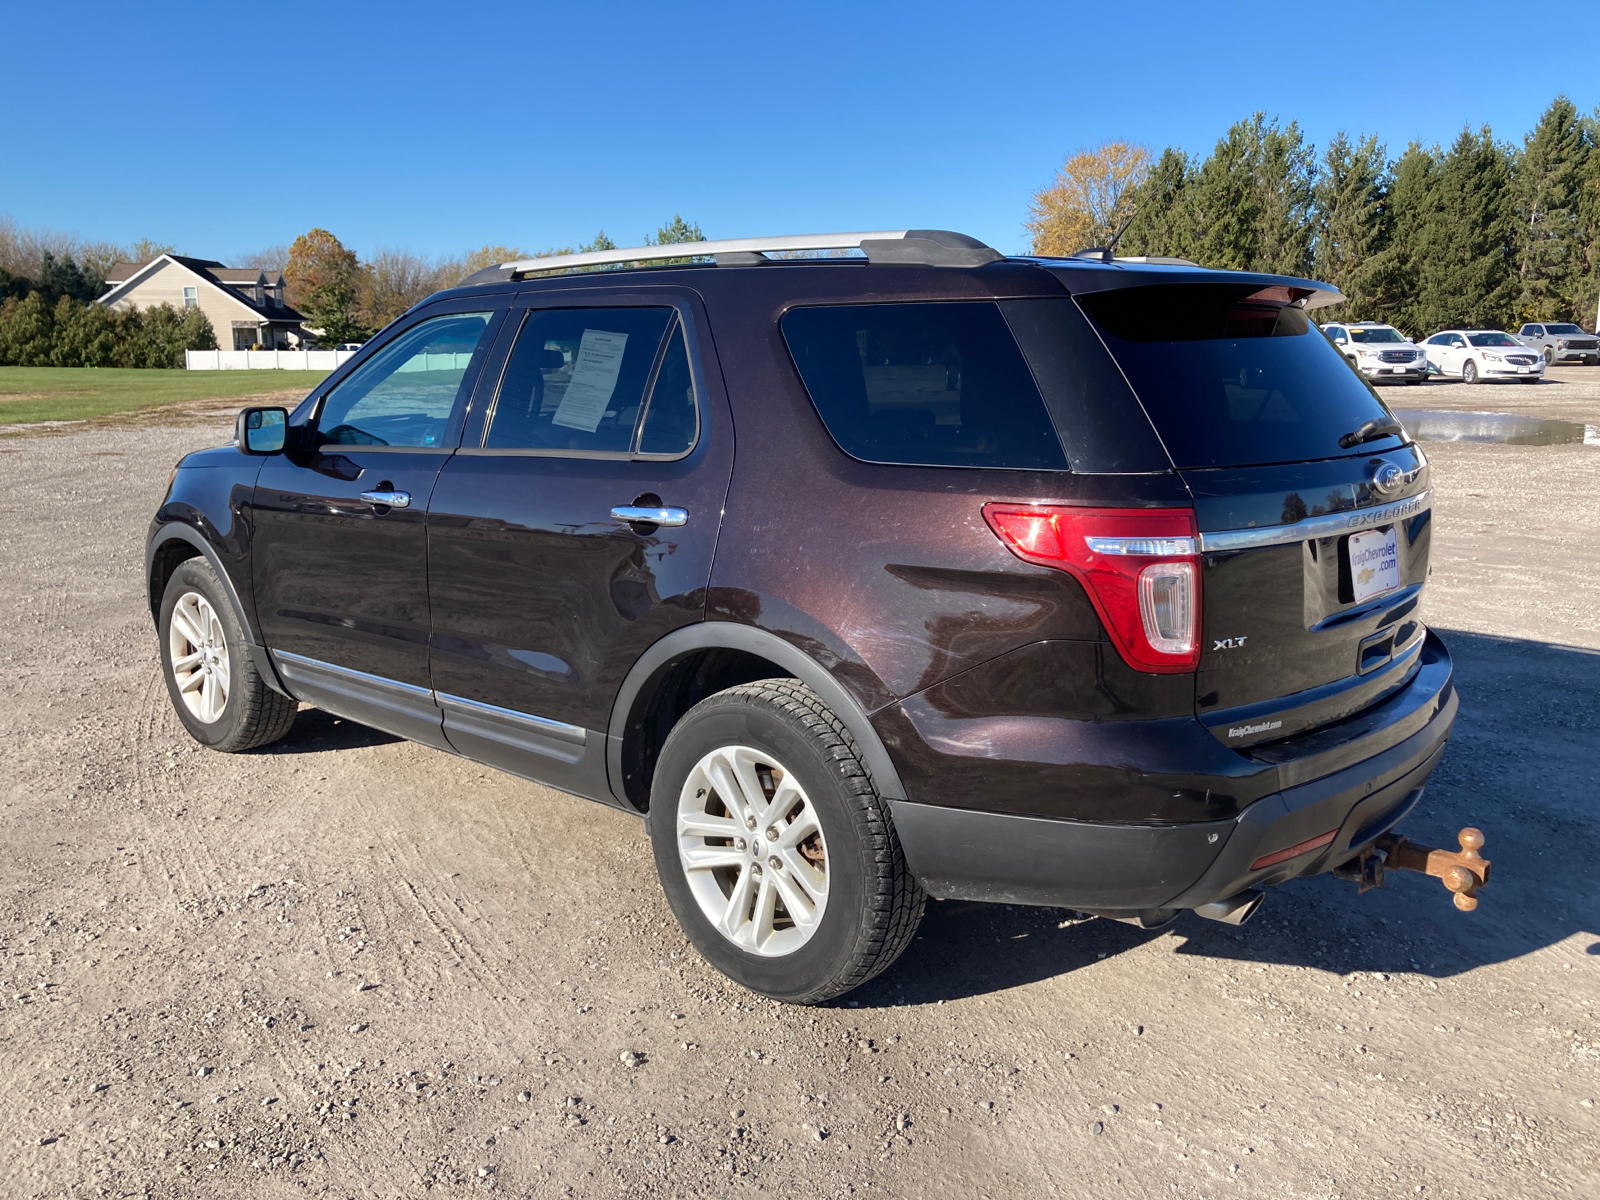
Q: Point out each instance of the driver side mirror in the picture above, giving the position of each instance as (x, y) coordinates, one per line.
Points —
(262, 430)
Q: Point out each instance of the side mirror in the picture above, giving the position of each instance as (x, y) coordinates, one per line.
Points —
(262, 430)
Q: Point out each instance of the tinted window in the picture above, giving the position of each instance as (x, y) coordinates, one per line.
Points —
(404, 394)
(923, 384)
(1233, 374)
(576, 379)
(1555, 329)
(1382, 334)
(670, 422)
(1492, 339)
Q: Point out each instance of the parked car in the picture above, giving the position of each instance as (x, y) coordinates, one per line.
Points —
(1473, 355)
(1060, 582)
(349, 346)
(1561, 341)
(1380, 352)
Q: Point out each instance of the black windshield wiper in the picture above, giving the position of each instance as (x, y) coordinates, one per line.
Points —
(1372, 430)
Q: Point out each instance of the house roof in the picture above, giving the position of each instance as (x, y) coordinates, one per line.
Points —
(227, 280)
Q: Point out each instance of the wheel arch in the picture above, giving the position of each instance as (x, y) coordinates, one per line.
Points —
(690, 664)
(174, 544)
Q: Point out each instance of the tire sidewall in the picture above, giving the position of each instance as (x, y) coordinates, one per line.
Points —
(195, 575)
(735, 720)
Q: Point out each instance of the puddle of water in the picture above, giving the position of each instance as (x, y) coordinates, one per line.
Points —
(1443, 425)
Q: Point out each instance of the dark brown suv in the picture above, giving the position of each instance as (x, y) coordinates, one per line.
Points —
(863, 567)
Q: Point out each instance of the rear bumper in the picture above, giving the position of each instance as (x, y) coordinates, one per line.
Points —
(1002, 857)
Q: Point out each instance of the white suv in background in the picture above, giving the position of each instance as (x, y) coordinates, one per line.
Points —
(1380, 352)
(1472, 355)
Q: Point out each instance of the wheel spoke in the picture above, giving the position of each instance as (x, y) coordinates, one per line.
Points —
(803, 827)
(726, 781)
(810, 876)
(754, 797)
(186, 628)
(194, 681)
(802, 908)
(208, 698)
(709, 858)
(783, 801)
(736, 917)
(766, 907)
(188, 661)
(702, 825)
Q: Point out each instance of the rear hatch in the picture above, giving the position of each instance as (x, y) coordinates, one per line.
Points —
(1314, 520)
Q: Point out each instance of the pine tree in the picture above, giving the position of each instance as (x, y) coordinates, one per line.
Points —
(1549, 190)
(1466, 254)
(1225, 200)
(1392, 277)
(1286, 175)
(1351, 204)
(1161, 224)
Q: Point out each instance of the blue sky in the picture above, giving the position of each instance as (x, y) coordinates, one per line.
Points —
(441, 127)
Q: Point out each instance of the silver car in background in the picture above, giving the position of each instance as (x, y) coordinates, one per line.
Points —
(1561, 341)
(1381, 353)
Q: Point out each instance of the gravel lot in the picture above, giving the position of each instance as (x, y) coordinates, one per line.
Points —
(352, 966)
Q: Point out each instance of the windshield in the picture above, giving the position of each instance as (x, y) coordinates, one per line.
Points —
(1492, 339)
(1231, 375)
(1562, 329)
(1383, 334)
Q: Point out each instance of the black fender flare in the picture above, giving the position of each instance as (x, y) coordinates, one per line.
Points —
(729, 635)
(182, 531)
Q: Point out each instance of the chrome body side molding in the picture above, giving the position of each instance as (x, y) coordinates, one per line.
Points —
(1330, 525)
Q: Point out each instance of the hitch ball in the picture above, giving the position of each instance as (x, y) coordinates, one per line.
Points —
(1462, 872)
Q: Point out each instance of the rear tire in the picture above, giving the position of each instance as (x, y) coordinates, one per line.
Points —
(775, 850)
(1469, 372)
(211, 677)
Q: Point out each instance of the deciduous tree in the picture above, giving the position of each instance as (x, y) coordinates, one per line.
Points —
(323, 279)
(1089, 199)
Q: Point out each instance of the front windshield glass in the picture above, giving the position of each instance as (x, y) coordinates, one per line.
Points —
(1562, 329)
(1492, 339)
(1384, 334)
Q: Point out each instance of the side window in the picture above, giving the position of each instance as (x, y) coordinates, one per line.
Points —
(671, 421)
(941, 384)
(404, 394)
(577, 379)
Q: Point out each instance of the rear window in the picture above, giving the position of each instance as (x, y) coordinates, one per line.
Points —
(1233, 374)
(939, 384)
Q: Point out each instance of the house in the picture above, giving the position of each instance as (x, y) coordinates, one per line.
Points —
(245, 305)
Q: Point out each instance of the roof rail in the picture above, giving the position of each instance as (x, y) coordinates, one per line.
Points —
(921, 247)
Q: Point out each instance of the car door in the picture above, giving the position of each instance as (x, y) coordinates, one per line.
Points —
(544, 593)
(338, 554)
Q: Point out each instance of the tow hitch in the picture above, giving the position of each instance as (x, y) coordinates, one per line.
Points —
(1462, 871)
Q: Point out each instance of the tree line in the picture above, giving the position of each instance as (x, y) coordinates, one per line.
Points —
(1484, 233)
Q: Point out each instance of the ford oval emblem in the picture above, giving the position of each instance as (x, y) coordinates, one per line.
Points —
(1387, 478)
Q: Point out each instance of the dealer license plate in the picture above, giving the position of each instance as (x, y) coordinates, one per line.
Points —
(1374, 563)
(1522, 370)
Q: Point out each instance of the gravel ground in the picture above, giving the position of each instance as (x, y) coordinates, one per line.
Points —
(352, 966)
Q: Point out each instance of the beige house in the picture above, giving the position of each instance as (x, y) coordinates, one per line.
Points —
(245, 305)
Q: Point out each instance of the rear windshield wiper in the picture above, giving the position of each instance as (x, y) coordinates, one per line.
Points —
(1371, 431)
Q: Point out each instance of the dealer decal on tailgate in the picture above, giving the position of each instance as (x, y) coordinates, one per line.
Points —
(1374, 563)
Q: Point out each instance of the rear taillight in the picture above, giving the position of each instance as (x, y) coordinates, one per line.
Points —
(1140, 567)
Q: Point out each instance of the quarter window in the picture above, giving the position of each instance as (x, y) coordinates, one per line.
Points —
(405, 393)
(597, 381)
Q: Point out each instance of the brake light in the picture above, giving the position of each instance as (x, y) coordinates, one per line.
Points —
(1139, 566)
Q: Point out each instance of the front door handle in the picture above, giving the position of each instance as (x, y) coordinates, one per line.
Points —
(635, 514)
(388, 499)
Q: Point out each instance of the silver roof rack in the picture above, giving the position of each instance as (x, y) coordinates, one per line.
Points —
(922, 247)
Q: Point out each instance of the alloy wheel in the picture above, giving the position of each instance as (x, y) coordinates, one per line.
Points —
(199, 654)
(753, 850)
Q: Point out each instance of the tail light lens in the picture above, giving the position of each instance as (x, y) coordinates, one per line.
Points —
(1139, 566)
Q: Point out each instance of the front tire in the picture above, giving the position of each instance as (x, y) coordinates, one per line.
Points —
(211, 678)
(1469, 372)
(1549, 357)
(776, 853)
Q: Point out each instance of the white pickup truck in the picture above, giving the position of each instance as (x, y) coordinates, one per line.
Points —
(1561, 341)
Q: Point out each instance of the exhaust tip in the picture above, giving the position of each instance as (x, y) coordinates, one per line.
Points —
(1235, 910)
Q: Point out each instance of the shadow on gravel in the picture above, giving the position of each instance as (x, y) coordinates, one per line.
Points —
(317, 732)
(1522, 766)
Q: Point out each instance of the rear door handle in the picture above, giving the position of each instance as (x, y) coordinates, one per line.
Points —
(388, 499)
(638, 515)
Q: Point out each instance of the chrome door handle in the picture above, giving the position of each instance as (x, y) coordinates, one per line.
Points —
(635, 515)
(388, 499)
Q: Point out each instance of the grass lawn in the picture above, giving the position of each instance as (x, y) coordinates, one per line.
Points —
(30, 394)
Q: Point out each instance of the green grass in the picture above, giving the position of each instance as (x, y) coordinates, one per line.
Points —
(29, 394)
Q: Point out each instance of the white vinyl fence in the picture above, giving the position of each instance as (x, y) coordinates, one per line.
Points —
(267, 360)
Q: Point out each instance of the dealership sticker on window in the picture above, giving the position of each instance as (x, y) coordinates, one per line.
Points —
(594, 378)
(1374, 563)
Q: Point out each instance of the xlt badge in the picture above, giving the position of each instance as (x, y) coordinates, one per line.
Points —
(1232, 643)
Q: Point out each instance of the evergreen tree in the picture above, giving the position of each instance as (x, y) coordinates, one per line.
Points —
(1393, 276)
(1466, 260)
(673, 232)
(1352, 218)
(1285, 176)
(1225, 200)
(1160, 224)
(1549, 191)
(27, 329)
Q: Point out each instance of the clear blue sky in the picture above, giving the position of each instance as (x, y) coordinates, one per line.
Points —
(444, 126)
